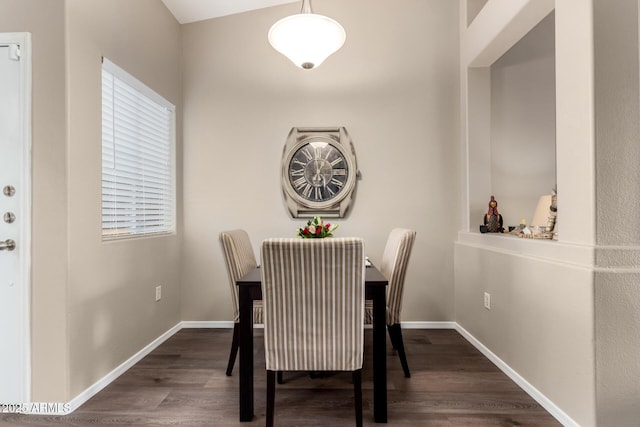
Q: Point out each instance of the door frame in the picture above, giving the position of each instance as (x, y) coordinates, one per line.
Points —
(23, 40)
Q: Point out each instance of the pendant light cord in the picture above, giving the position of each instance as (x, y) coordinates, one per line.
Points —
(306, 6)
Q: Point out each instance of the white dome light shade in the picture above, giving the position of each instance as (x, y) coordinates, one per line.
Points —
(307, 39)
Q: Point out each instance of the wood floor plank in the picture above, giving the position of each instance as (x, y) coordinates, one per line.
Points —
(183, 382)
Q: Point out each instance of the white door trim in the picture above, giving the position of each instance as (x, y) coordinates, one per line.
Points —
(23, 40)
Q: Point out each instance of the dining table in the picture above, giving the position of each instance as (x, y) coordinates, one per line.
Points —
(249, 289)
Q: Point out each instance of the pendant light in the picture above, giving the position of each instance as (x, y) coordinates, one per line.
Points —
(307, 39)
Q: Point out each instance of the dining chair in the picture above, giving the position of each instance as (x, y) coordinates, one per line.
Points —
(395, 259)
(313, 294)
(239, 260)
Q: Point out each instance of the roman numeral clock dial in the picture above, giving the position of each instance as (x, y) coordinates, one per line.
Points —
(321, 176)
(318, 172)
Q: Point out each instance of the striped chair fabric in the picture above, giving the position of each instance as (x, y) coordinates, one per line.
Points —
(313, 293)
(239, 260)
(393, 266)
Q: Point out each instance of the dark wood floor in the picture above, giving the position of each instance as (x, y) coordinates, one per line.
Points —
(183, 382)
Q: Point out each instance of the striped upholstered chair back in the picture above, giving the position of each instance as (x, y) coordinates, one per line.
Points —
(313, 294)
(239, 260)
(393, 266)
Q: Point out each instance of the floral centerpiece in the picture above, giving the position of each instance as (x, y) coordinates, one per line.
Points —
(316, 229)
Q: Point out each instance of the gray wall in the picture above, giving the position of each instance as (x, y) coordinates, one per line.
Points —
(617, 280)
(111, 308)
(45, 21)
(92, 303)
(542, 317)
(576, 299)
(394, 86)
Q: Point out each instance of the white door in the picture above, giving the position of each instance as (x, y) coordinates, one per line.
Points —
(15, 218)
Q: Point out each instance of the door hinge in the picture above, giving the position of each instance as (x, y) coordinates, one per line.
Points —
(14, 52)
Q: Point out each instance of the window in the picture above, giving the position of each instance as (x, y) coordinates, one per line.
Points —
(138, 171)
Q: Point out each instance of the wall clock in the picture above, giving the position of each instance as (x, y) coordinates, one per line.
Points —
(319, 172)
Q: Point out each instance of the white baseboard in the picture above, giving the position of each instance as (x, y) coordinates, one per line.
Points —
(428, 325)
(214, 324)
(111, 376)
(67, 408)
(207, 324)
(547, 404)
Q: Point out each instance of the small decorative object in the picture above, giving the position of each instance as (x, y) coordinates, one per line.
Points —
(493, 219)
(544, 218)
(553, 211)
(518, 230)
(316, 229)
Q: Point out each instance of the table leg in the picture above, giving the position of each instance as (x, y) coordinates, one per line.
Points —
(246, 353)
(379, 355)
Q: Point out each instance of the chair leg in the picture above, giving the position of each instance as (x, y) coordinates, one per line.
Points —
(392, 337)
(280, 380)
(357, 391)
(234, 348)
(395, 332)
(271, 396)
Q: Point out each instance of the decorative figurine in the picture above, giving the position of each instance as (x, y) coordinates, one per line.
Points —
(493, 219)
(553, 212)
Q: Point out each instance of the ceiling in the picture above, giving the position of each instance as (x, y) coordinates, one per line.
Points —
(187, 11)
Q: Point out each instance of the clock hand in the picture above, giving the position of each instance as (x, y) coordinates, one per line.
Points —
(317, 177)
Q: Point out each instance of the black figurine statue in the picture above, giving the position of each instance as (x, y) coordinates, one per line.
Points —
(493, 219)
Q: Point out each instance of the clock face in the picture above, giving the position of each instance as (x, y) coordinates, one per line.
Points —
(318, 171)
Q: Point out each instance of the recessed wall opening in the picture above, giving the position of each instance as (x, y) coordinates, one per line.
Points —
(523, 123)
(512, 127)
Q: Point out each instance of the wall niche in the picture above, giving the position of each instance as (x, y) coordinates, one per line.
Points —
(511, 109)
(523, 123)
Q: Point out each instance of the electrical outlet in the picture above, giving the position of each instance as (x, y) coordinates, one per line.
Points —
(487, 300)
(158, 293)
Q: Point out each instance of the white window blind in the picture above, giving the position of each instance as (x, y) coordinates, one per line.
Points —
(138, 172)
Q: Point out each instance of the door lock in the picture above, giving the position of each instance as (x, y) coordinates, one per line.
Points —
(9, 217)
(7, 245)
(9, 190)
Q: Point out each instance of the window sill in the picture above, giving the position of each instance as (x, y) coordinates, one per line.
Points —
(136, 236)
